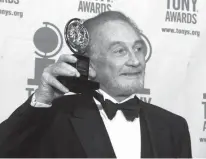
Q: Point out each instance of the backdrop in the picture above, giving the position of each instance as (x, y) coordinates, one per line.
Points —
(32, 37)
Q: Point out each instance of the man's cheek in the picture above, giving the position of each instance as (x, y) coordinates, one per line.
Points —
(104, 75)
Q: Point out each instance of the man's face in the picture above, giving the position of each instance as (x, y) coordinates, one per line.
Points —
(119, 58)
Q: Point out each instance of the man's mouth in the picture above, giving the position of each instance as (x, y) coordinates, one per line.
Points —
(131, 74)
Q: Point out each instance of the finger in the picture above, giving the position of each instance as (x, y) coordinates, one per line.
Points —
(67, 58)
(56, 84)
(64, 69)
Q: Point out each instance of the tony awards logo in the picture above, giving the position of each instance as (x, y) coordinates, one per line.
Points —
(48, 41)
(77, 39)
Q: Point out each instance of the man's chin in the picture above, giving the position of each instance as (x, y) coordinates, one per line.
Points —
(128, 88)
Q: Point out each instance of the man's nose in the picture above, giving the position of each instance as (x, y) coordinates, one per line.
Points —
(133, 60)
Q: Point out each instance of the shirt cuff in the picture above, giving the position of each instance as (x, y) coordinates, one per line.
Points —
(36, 104)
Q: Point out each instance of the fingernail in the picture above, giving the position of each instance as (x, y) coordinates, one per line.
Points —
(77, 74)
(74, 59)
(66, 90)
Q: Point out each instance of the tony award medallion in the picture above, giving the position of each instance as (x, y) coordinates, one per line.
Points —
(77, 39)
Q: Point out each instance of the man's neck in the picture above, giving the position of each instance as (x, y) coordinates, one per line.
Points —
(116, 99)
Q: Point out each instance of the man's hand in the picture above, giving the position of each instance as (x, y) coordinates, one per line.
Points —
(50, 88)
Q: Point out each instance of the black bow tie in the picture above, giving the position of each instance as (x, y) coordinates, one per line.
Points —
(129, 108)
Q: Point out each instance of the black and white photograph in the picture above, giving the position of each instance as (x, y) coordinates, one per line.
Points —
(103, 79)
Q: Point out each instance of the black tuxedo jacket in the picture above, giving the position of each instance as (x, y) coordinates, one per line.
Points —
(73, 127)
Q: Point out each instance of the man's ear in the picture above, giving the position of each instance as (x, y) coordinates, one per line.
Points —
(92, 71)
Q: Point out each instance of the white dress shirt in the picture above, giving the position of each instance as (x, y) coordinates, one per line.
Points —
(124, 135)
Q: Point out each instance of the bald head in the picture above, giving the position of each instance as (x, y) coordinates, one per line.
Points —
(93, 25)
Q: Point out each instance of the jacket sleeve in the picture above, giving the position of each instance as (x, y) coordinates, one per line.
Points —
(185, 142)
(17, 130)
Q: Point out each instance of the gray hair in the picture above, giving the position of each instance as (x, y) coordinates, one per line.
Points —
(104, 17)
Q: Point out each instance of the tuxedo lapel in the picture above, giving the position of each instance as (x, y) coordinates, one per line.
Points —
(90, 129)
(155, 134)
(147, 149)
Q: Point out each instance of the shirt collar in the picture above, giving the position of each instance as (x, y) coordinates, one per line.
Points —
(107, 96)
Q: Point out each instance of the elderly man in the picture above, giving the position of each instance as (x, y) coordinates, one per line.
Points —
(110, 122)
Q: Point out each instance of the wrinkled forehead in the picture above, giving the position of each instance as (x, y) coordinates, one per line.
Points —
(117, 30)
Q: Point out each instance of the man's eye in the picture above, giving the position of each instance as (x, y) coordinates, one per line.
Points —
(120, 51)
(138, 49)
